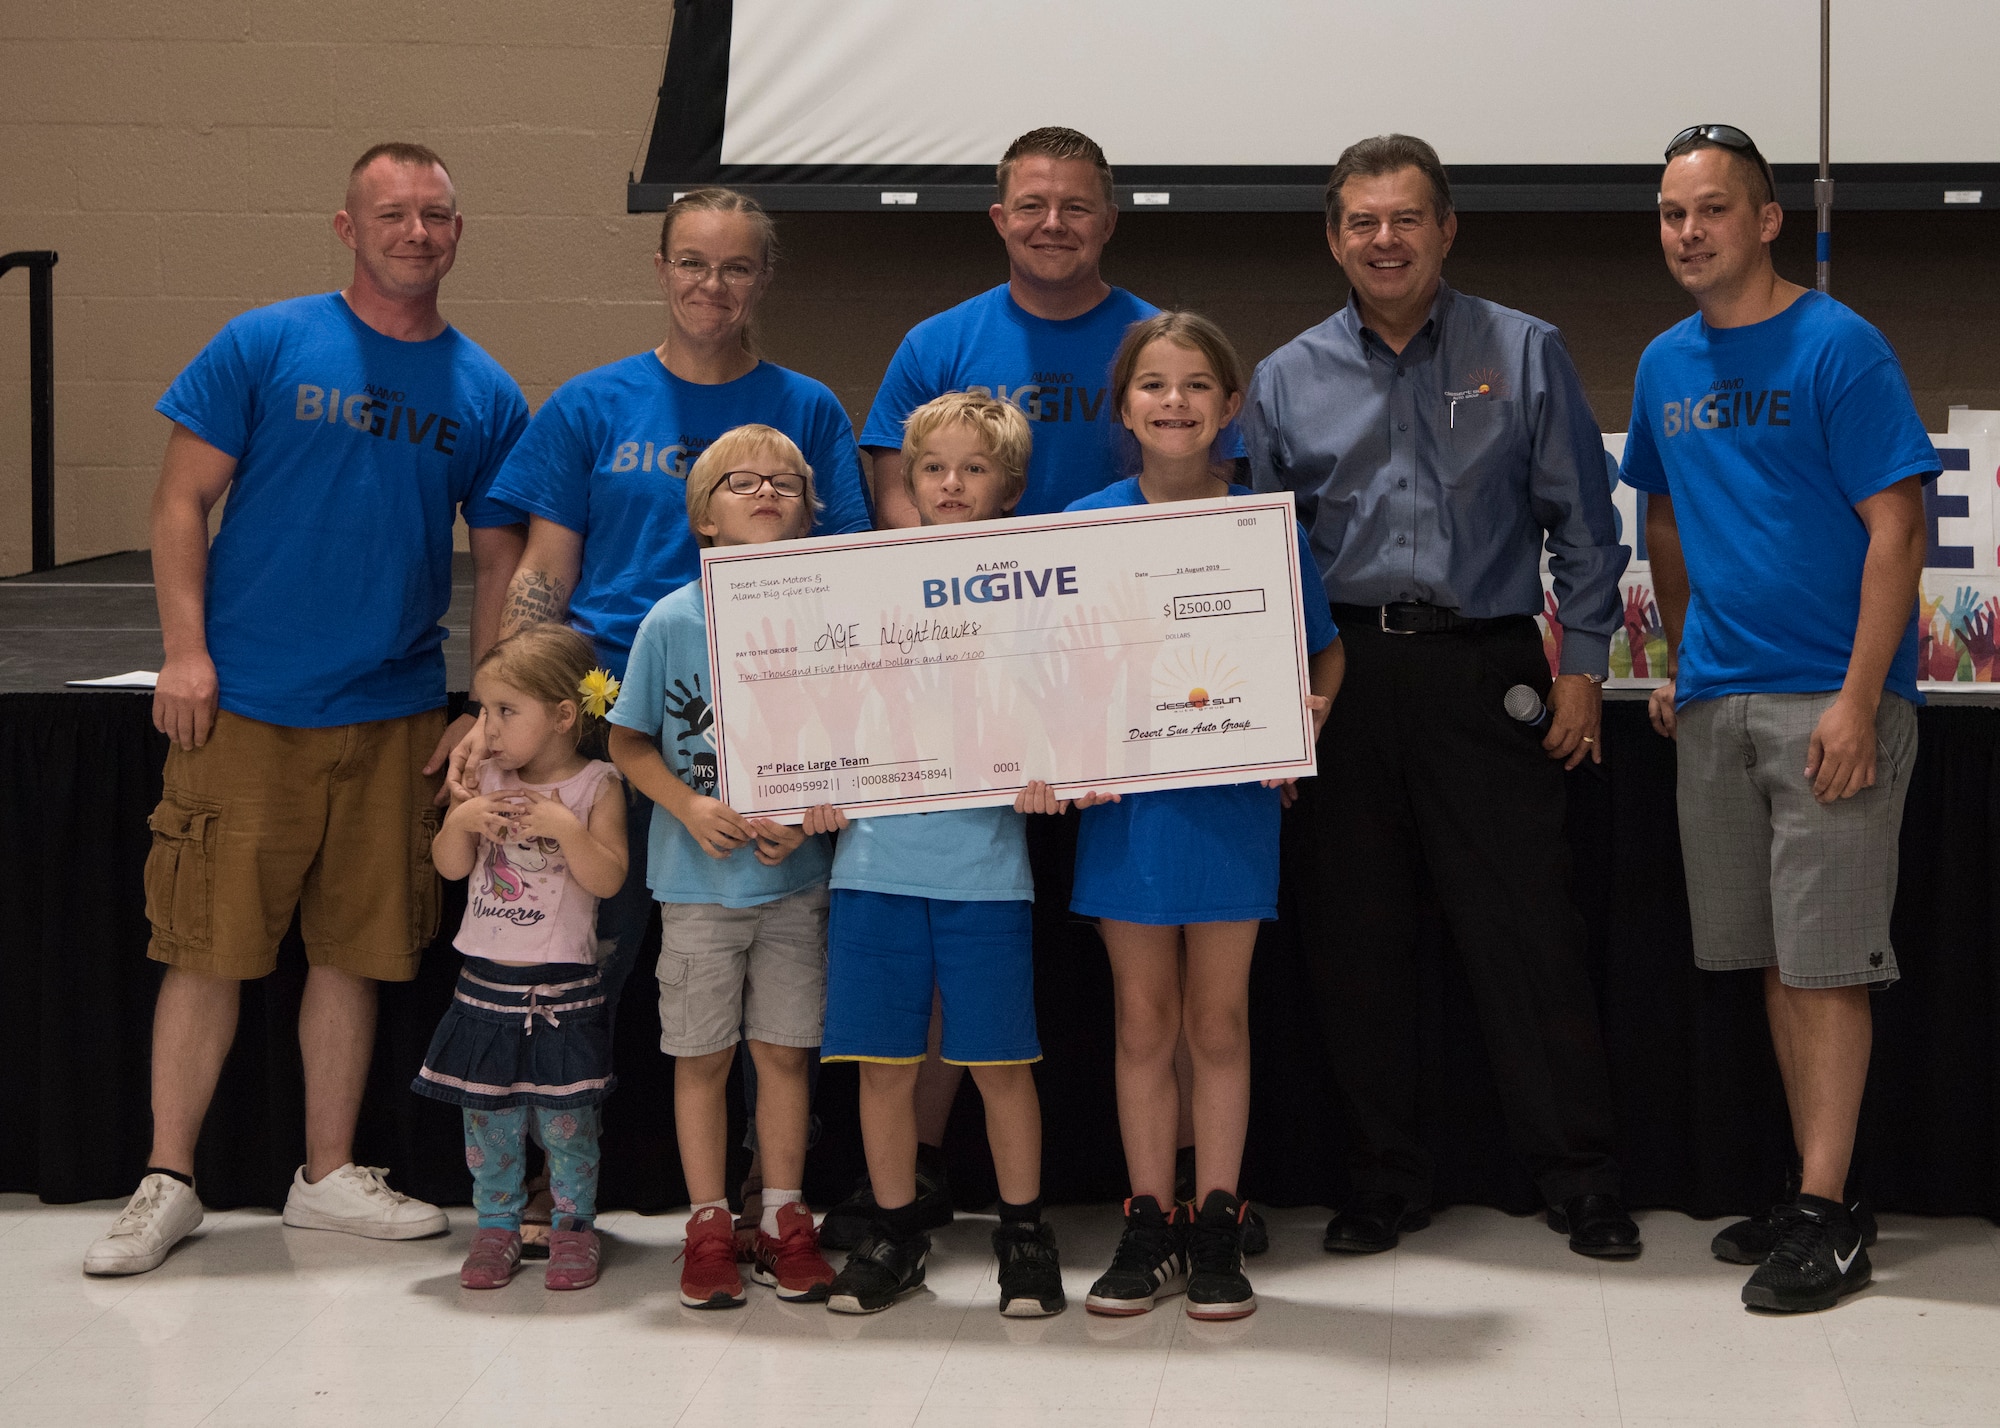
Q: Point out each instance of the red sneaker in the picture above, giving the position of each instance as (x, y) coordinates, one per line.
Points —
(791, 1262)
(708, 1262)
(492, 1260)
(573, 1257)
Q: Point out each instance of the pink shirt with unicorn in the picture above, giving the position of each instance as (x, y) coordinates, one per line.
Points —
(521, 903)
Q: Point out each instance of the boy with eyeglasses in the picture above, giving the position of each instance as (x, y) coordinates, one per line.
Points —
(742, 900)
(1785, 463)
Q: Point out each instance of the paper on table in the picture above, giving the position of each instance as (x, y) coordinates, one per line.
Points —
(137, 679)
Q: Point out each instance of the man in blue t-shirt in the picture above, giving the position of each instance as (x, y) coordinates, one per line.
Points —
(1785, 461)
(304, 685)
(1043, 340)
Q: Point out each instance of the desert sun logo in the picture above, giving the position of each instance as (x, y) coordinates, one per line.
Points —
(1195, 679)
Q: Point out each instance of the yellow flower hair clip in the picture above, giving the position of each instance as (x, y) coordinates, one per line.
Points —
(599, 691)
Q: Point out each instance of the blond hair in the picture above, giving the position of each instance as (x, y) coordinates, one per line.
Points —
(1001, 427)
(1056, 142)
(547, 663)
(720, 459)
(726, 200)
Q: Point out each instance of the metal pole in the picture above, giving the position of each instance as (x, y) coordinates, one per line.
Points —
(1823, 185)
(41, 402)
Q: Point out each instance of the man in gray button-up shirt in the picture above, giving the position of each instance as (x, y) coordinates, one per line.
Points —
(1436, 442)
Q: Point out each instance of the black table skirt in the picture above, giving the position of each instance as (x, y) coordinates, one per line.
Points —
(1701, 1112)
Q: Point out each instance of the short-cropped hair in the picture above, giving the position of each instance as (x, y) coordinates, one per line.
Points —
(1001, 427)
(398, 152)
(1387, 154)
(1055, 142)
(726, 453)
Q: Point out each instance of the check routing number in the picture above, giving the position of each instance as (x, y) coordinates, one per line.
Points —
(1120, 650)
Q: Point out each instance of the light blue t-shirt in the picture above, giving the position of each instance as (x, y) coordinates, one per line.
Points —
(1767, 437)
(1057, 372)
(666, 695)
(608, 457)
(330, 577)
(954, 855)
(1180, 855)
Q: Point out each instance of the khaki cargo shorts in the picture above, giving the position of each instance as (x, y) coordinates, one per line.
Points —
(262, 820)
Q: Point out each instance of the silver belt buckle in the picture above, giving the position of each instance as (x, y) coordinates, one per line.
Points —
(1382, 619)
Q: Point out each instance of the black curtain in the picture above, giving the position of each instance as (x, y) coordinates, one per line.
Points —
(1701, 1113)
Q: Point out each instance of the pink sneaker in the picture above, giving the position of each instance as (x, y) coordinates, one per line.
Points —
(492, 1260)
(573, 1257)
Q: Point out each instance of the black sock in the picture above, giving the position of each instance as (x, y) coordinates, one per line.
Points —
(900, 1223)
(187, 1180)
(930, 1160)
(1831, 1211)
(1028, 1214)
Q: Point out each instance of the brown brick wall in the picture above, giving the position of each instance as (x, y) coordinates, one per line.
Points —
(184, 159)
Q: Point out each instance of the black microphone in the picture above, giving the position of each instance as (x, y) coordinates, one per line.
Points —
(1525, 706)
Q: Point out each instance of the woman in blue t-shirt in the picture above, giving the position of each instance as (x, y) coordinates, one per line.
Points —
(1179, 879)
(601, 473)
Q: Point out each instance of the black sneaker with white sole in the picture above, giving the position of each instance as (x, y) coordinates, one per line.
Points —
(1751, 1241)
(879, 1271)
(850, 1222)
(1818, 1260)
(1149, 1263)
(1217, 1288)
(1031, 1284)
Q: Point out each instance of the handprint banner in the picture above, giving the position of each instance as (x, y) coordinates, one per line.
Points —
(1139, 648)
(1958, 605)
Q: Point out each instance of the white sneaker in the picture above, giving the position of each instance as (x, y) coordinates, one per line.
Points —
(357, 1200)
(159, 1215)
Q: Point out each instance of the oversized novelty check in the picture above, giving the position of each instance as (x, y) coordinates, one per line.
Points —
(1139, 648)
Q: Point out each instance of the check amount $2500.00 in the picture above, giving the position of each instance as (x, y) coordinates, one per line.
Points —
(1120, 650)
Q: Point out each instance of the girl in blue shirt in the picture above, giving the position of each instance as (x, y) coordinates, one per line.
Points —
(1178, 880)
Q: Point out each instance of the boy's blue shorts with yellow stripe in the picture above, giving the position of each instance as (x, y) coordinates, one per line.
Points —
(886, 951)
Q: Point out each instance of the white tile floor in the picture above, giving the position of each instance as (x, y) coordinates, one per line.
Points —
(1481, 1319)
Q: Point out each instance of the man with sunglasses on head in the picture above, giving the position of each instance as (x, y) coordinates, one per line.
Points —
(1784, 461)
(1436, 443)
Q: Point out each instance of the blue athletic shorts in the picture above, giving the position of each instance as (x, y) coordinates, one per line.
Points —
(884, 954)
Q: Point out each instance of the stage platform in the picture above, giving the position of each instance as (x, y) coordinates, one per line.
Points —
(1701, 1114)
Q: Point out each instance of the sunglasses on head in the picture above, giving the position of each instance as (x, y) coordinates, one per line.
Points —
(1729, 137)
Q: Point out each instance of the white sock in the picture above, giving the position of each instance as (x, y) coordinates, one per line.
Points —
(775, 1200)
(699, 1206)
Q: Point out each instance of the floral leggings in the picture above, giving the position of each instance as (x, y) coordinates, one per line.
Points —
(496, 1154)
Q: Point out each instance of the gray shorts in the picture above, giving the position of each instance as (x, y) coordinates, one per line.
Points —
(1774, 877)
(727, 973)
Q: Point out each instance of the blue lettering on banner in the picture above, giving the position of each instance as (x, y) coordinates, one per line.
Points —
(1939, 507)
(996, 585)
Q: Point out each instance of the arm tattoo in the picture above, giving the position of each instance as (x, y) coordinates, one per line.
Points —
(534, 597)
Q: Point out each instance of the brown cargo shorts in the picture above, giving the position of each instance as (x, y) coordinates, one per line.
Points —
(263, 819)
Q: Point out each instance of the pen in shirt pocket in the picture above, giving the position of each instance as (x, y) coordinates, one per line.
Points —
(1472, 394)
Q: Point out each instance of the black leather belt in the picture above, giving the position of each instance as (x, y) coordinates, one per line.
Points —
(1411, 617)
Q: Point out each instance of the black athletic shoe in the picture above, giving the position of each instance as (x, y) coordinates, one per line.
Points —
(1751, 1241)
(1031, 1284)
(1256, 1234)
(879, 1271)
(1216, 1288)
(1818, 1259)
(847, 1224)
(1150, 1261)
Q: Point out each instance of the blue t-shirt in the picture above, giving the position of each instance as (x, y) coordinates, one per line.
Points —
(954, 855)
(1182, 855)
(665, 695)
(608, 457)
(330, 577)
(1057, 372)
(1767, 437)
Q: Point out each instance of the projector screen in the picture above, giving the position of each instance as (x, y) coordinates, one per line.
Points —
(1190, 94)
